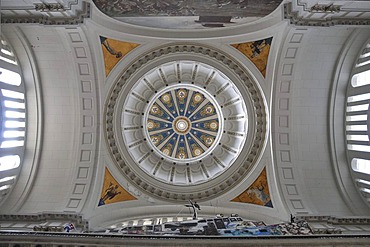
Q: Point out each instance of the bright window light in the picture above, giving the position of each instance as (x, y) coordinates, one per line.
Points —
(356, 118)
(11, 144)
(10, 77)
(9, 162)
(363, 107)
(147, 223)
(361, 79)
(6, 52)
(359, 97)
(12, 94)
(362, 64)
(361, 165)
(13, 104)
(14, 124)
(361, 148)
(366, 53)
(15, 114)
(4, 187)
(363, 181)
(6, 179)
(13, 134)
(356, 127)
(366, 190)
(7, 60)
(364, 138)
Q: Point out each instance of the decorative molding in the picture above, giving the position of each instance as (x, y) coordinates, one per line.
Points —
(335, 220)
(28, 221)
(78, 18)
(88, 128)
(322, 15)
(282, 130)
(324, 224)
(102, 239)
(49, 7)
(325, 8)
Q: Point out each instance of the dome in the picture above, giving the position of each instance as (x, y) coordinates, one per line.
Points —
(186, 121)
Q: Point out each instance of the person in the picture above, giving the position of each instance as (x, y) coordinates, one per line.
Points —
(258, 46)
(292, 218)
(69, 227)
(104, 42)
(194, 206)
(110, 193)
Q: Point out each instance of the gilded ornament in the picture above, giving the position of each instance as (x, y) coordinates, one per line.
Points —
(152, 125)
(181, 95)
(196, 150)
(197, 98)
(207, 111)
(155, 110)
(167, 99)
(208, 140)
(156, 139)
(167, 150)
(181, 153)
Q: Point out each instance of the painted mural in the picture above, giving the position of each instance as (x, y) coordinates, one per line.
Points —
(257, 51)
(114, 51)
(112, 191)
(175, 13)
(258, 193)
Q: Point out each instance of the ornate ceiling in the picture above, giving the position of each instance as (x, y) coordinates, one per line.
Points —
(187, 14)
(185, 123)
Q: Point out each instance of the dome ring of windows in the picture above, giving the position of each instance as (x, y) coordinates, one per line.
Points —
(185, 116)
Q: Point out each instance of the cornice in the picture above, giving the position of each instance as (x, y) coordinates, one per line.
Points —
(299, 14)
(77, 18)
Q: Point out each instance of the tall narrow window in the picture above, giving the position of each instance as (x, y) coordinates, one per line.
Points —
(10, 77)
(9, 162)
(361, 79)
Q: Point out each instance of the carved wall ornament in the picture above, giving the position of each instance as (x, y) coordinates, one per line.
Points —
(49, 7)
(325, 8)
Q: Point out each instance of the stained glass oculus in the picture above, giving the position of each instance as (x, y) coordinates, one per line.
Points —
(183, 123)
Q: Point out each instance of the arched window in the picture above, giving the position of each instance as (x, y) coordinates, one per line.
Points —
(358, 124)
(12, 118)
